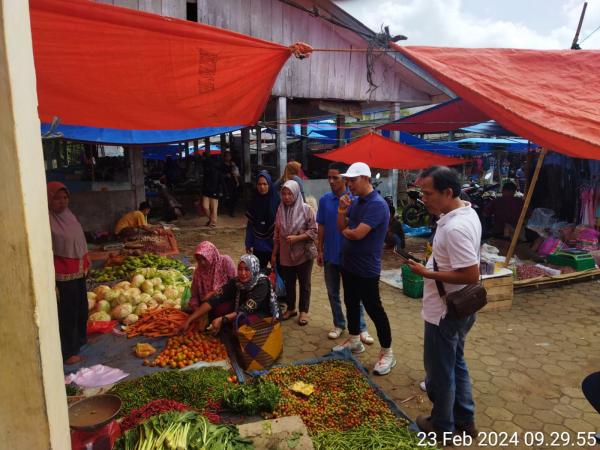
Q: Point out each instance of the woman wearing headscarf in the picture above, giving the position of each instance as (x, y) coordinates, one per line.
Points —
(261, 219)
(213, 270)
(292, 171)
(294, 245)
(249, 293)
(71, 265)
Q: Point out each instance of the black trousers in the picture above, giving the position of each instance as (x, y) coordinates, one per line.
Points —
(359, 289)
(263, 257)
(72, 316)
(591, 390)
(302, 273)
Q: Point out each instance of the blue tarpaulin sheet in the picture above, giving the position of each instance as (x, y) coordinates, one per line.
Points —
(115, 136)
(416, 232)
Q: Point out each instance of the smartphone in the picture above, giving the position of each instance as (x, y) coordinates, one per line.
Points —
(405, 255)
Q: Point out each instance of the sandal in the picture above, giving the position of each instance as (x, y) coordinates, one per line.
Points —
(303, 320)
(289, 314)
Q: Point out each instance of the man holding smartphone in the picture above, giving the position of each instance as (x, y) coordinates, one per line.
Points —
(456, 254)
(330, 251)
(363, 223)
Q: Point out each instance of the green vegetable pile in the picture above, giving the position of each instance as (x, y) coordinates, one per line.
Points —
(182, 431)
(342, 398)
(387, 436)
(252, 398)
(194, 388)
(131, 263)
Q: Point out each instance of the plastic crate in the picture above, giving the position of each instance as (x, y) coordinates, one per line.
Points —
(579, 262)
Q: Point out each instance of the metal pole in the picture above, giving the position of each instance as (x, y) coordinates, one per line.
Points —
(395, 137)
(259, 146)
(281, 134)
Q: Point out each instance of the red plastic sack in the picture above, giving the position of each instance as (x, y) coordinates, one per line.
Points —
(110, 432)
(97, 326)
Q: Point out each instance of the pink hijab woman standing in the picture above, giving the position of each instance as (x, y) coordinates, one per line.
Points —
(71, 265)
(293, 244)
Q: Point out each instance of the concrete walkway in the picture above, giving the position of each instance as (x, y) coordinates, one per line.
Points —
(526, 364)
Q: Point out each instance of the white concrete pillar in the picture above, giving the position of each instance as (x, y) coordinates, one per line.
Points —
(33, 405)
(281, 134)
(395, 137)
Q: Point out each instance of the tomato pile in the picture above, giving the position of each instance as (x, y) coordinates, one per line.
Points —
(182, 351)
(342, 399)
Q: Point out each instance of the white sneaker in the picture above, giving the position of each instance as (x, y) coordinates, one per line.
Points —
(335, 333)
(422, 386)
(352, 343)
(386, 363)
(366, 338)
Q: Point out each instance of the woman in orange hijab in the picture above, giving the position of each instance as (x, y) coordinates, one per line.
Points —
(71, 265)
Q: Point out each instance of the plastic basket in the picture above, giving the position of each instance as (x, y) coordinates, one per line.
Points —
(412, 284)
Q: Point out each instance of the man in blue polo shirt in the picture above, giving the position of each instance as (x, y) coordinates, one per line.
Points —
(330, 251)
(363, 223)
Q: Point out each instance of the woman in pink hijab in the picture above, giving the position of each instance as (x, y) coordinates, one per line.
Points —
(213, 270)
(71, 265)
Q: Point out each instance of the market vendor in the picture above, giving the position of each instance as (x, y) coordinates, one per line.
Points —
(71, 265)
(134, 221)
(505, 211)
(250, 293)
(213, 270)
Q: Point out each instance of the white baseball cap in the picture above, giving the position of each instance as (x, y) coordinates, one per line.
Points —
(358, 169)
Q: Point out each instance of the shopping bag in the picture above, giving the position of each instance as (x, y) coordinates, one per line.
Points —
(99, 326)
(260, 342)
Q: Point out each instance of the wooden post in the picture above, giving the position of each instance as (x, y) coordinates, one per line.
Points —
(247, 167)
(304, 142)
(259, 146)
(521, 222)
(281, 134)
(207, 143)
(340, 120)
(395, 137)
(223, 139)
(230, 142)
(136, 159)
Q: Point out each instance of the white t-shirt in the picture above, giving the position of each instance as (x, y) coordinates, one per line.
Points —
(455, 246)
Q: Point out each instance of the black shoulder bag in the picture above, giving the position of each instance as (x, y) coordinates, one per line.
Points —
(465, 302)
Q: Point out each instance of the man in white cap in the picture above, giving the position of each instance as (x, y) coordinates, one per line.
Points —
(363, 223)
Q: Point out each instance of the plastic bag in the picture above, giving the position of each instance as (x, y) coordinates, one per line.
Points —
(541, 221)
(277, 283)
(101, 327)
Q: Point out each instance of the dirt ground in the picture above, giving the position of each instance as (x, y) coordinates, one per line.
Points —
(526, 363)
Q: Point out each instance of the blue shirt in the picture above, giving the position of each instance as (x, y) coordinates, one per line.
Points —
(327, 216)
(363, 257)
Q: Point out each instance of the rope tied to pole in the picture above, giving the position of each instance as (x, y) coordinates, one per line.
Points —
(301, 50)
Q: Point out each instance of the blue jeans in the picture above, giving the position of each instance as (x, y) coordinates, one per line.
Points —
(332, 282)
(446, 374)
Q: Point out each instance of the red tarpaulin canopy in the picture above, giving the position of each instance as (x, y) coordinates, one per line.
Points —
(109, 67)
(448, 116)
(551, 97)
(382, 153)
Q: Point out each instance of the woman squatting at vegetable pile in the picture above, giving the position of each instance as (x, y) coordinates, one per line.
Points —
(250, 294)
(71, 265)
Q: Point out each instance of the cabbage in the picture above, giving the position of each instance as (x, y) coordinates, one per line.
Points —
(101, 291)
(137, 280)
(156, 281)
(159, 297)
(147, 287)
(133, 292)
(91, 296)
(152, 303)
(101, 316)
(170, 293)
(168, 304)
(160, 288)
(122, 285)
(102, 306)
(124, 298)
(91, 303)
(121, 311)
(144, 297)
(112, 294)
(131, 318)
(141, 309)
(180, 289)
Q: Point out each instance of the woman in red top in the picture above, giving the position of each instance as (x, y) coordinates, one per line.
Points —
(71, 265)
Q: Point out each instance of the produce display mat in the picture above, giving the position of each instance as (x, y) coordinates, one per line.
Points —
(540, 281)
(346, 355)
(117, 352)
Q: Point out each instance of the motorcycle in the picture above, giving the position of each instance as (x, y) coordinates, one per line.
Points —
(415, 214)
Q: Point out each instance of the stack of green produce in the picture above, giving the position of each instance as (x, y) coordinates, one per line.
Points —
(194, 388)
(131, 263)
(386, 436)
(182, 431)
(252, 398)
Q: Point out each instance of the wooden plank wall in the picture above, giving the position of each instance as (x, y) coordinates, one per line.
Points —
(169, 8)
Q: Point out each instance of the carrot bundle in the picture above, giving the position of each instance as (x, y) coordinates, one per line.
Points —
(162, 322)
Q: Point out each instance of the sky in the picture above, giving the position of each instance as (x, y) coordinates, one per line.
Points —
(539, 24)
